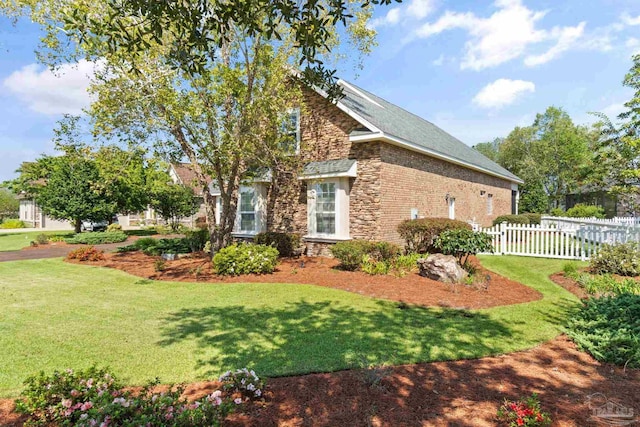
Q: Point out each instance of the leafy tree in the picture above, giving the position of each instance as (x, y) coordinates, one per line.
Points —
(65, 188)
(551, 156)
(617, 159)
(196, 31)
(9, 204)
(173, 201)
(490, 149)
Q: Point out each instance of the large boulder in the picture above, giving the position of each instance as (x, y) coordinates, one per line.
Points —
(443, 268)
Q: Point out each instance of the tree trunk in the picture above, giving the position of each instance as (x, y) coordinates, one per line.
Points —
(78, 226)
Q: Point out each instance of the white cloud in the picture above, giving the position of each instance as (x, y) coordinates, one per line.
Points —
(629, 20)
(567, 38)
(509, 33)
(634, 45)
(613, 110)
(46, 92)
(438, 62)
(502, 92)
(415, 9)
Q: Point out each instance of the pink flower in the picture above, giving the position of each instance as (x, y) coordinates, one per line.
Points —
(237, 401)
(75, 393)
(86, 406)
(90, 383)
(66, 403)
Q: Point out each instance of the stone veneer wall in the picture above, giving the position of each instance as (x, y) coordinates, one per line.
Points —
(413, 180)
(325, 133)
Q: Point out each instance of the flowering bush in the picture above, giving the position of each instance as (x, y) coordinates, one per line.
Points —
(524, 412)
(245, 258)
(86, 253)
(94, 398)
(243, 381)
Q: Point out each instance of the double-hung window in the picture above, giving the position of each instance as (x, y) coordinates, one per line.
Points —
(247, 210)
(325, 208)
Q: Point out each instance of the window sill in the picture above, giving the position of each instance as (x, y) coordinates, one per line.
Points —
(244, 234)
(325, 239)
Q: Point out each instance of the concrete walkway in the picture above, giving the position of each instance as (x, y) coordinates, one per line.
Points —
(52, 251)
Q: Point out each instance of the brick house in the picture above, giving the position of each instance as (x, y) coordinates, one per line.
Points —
(368, 165)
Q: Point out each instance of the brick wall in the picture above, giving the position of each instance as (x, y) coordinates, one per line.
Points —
(325, 133)
(412, 180)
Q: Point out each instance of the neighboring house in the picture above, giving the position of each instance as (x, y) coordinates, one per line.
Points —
(613, 205)
(368, 165)
(33, 217)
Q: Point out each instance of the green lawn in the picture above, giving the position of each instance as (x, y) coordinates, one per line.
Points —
(55, 315)
(17, 241)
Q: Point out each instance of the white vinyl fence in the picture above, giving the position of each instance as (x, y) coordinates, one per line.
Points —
(556, 241)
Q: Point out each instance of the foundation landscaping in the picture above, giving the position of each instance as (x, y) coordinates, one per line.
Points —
(159, 332)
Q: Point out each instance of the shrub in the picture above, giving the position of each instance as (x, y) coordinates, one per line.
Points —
(369, 265)
(585, 211)
(607, 285)
(57, 237)
(511, 219)
(196, 238)
(42, 239)
(176, 245)
(111, 228)
(350, 253)
(570, 269)
(384, 251)
(97, 238)
(524, 412)
(534, 218)
(145, 242)
(463, 243)
(243, 381)
(419, 234)
(159, 265)
(93, 397)
(246, 258)
(287, 244)
(86, 253)
(404, 264)
(608, 329)
(12, 223)
(622, 259)
(557, 212)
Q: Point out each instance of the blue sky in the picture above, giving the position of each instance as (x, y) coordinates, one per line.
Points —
(476, 69)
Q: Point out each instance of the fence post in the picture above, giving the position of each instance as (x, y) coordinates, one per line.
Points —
(503, 237)
(581, 233)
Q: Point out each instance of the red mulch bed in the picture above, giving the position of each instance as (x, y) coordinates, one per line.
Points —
(412, 289)
(460, 393)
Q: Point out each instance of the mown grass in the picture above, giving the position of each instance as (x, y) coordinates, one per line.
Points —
(17, 241)
(55, 315)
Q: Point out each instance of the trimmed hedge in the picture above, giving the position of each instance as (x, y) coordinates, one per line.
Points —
(245, 258)
(353, 253)
(12, 223)
(97, 238)
(512, 219)
(420, 234)
(287, 244)
(585, 211)
(534, 218)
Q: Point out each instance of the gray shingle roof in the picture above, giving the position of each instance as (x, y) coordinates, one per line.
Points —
(396, 122)
(328, 167)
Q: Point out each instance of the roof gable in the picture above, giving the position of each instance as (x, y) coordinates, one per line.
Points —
(386, 120)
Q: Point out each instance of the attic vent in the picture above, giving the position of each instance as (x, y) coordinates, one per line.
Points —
(359, 92)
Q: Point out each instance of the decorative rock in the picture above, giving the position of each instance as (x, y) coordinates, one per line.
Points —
(443, 268)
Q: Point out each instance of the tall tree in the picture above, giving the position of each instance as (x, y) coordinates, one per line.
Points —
(490, 149)
(9, 204)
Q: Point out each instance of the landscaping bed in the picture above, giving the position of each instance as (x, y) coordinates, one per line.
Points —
(461, 393)
(494, 290)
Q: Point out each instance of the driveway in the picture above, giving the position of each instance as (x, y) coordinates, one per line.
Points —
(51, 251)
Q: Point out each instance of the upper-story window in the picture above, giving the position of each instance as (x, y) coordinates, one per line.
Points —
(291, 131)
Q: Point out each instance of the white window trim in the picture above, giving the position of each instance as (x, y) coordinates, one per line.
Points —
(341, 211)
(259, 203)
(452, 208)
